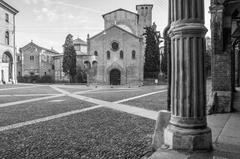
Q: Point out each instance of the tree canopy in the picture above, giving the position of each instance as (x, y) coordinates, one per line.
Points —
(152, 52)
(69, 57)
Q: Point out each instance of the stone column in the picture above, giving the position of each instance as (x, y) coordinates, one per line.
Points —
(188, 129)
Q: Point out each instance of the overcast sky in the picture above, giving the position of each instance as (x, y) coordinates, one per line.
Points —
(47, 22)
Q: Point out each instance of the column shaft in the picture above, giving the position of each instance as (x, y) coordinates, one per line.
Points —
(188, 94)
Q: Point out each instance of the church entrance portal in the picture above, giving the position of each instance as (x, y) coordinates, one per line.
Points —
(115, 77)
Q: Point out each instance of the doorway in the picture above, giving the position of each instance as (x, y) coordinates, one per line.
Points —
(115, 77)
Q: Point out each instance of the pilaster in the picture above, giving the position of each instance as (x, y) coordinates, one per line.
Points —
(221, 62)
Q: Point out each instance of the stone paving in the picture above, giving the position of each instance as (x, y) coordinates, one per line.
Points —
(77, 95)
(225, 137)
(225, 127)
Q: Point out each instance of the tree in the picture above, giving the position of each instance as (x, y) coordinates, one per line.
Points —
(69, 58)
(152, 53)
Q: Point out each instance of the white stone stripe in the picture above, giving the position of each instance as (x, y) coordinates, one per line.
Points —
(29, 100)
(140, 96)
(87, 91)
(95, 91)
(149, 114)
(120, 107)
(67, 93)
(31, 122)
(60, 90)
(5, 89)
(26, 95)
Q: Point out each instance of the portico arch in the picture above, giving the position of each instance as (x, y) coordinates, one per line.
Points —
(7, 67)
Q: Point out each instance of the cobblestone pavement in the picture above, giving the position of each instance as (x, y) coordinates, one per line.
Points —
(27, 106)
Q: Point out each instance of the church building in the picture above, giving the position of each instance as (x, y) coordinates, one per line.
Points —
(119, 48)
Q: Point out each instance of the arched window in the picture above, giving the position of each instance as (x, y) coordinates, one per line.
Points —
(146, 7)
(108, 55)
(95, 53)
(6, 17)
(87, 65)
(7, 37)
(94, 63)
(133, 54)
(121, 54)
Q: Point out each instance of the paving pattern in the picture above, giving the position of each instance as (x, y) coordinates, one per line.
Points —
(24, 107)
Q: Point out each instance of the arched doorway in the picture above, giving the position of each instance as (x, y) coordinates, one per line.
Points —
(7, 66)
(94, 67)
(115, 77)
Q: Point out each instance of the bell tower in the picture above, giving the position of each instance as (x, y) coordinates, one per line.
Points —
(145, 17)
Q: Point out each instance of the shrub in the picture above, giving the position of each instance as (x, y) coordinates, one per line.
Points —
(28, 79)
(45, 79)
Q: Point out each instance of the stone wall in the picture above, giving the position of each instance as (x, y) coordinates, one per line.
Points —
(222, 27)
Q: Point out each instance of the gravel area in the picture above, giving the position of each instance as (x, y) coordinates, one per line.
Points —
(8, 99)
(154, 102)
(34, 110)
(3, 86)
(97, 134)
(34, 90)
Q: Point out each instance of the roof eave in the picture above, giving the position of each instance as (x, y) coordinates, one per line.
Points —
(120, 9)
(8, 7)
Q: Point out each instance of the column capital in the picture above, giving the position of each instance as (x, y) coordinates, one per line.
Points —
(186, 29)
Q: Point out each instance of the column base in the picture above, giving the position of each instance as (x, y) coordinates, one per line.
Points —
(188, 139)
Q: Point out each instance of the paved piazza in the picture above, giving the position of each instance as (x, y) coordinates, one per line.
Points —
(72, 121)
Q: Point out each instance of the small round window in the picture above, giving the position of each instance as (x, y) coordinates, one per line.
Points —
(115, 46)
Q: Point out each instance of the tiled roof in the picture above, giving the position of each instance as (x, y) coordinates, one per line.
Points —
(118, 28)
(49, 50)
(120, 9)
(79, 41)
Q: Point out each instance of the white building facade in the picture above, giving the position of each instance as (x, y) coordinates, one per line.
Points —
(8, 61)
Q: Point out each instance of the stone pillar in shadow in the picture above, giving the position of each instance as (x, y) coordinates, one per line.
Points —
(188, 129)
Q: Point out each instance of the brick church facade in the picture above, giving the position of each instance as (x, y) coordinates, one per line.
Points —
(119, 48)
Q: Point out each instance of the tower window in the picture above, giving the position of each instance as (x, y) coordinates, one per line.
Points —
(108, 55)
(133, 54)
(95, 53)
(6, 17)
(31, 58)
(146, 7)
(121, 55)
(7, 37)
